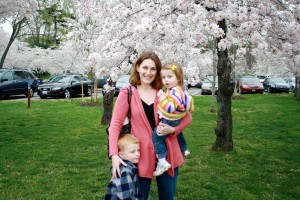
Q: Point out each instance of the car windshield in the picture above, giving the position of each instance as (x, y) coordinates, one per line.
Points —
(124, 79)
(209, 80)
(63, 79)
(54, 79)
(278, 80)
(250, 80)
(261, 77)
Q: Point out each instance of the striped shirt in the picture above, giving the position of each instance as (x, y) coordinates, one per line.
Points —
(175, 103)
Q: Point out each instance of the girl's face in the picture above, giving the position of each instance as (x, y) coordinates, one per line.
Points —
(147, 71)
(131, 152)
(169, 78)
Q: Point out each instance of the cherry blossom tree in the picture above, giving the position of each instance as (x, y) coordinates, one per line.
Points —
(108, 35)
(108, 32)
(18, 13)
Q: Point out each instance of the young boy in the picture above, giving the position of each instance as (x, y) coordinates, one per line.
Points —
(126, 186)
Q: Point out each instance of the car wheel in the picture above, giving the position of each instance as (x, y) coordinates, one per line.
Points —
(293, 89)
(240, 90)
(43, 97)
(67, 94)
(31, 93)
(89, 92)
(269, 90)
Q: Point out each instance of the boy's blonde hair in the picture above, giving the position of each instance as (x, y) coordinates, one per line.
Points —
(126, 139)
(177, 68)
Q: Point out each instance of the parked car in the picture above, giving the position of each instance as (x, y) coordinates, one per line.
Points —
(50, 79)
(102, 81)
(276, 85)
(123, 81)
(262, 77)
(65, 85)
(207, 85)
(198, 85)
(249, 84)
(292, 83)
(16, 82)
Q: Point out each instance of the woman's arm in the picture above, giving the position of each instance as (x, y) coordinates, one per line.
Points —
(119, 114)
(164, 129)
(187, 120)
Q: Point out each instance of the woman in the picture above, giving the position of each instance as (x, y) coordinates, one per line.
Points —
(146, 81)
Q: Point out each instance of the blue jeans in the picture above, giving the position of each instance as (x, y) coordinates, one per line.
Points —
(159, 141)
(166, 186)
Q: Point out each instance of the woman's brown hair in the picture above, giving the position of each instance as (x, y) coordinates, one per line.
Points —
(135, 77)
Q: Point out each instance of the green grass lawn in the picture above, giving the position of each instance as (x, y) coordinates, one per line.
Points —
(57, 150)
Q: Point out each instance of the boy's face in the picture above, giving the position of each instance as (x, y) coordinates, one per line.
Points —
(131, 152)
(169, 78)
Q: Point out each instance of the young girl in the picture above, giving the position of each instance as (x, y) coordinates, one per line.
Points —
(173, 104)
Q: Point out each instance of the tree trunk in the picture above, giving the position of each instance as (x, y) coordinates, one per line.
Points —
(224, 124)
(215, 60)
(107, 106)
(297, 90)
(16, 29)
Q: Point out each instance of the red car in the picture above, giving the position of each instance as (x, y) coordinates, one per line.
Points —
(250, 84)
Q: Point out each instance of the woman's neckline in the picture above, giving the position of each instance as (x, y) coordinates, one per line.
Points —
(146, 103)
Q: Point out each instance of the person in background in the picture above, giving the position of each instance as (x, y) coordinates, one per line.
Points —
(126, 185)
(146, 81)
(174, 103)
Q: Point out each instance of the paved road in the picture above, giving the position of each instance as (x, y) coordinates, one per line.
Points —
(37, 97)
(192, 91)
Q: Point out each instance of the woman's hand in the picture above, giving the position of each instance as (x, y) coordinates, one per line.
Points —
(116, 161)
(160, 93)
(164, 129)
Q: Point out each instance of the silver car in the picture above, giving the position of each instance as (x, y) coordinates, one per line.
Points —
(207, 85)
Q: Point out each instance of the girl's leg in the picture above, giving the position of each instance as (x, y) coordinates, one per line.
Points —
(166, 185)
(159, 145)
(144, 187)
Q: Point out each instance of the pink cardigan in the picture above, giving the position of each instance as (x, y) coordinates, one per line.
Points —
(141, 128)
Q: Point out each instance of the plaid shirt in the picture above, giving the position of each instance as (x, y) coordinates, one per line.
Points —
(125, 187)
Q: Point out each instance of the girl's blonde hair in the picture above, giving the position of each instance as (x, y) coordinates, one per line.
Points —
(135, 76)
(125, 140)
(177, 69)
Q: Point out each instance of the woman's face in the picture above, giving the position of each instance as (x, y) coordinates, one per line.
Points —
(147, 71)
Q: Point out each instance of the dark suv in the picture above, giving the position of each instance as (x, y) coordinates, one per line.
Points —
(17, 81)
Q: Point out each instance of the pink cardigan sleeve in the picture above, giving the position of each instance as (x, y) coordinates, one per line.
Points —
(119, 114)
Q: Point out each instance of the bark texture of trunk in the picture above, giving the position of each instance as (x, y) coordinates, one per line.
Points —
(108, 102)
(226, 87)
